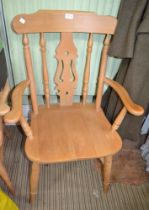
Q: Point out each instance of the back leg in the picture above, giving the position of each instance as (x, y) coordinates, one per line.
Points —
(4, 174)
(107, 172)
(34, 179)
(5, 177)
(3, 171)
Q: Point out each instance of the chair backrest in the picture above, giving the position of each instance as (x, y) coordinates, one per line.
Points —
(65, 22)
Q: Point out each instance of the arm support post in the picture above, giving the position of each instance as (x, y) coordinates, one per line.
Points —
(119, 118)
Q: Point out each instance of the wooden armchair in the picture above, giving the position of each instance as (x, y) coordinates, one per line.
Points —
(67, 131)
(4, 109)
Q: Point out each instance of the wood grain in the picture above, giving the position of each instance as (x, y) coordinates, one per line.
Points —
(66, 76)
(107, 172)
(72, 133)
(87, 67)
(30, 74)
(54, 21)
(119, 118)
(16, 112)
(102, 71)
(26, 127)
(3, 171)
(45, 69)
(34, 178)
(124, 96)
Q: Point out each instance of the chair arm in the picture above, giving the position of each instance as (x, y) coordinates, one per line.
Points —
(124, 96)
(4, 108)
(16, 112)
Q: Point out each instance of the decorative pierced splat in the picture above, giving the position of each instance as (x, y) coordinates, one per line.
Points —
(66, 76)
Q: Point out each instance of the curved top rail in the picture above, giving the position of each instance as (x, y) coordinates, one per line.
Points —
(63, 21)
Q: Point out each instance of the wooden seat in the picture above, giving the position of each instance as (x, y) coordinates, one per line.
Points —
(83, 133)
(67, 131)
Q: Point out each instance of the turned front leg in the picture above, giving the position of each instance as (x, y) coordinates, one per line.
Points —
(5, 177)
(34, 179)
(107, 172)
(3, 172)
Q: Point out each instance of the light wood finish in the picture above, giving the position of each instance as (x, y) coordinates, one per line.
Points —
(102, 72)
(101, 160)
(16, 112)
(106, 172)
(87, 67)
(119, 118)
(34, 178)
(45, 69)
(26, 127)
(29, 68)
(59, 21)
(70, 131)
(4, 173)
(66, 76)
(4, 108)
(124, 96)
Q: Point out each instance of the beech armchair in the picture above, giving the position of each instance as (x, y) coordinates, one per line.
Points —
(67, 131)
(4, 109)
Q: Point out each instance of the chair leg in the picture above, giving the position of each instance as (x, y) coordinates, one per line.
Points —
(34, 178)
(106, 172)
(5, 177)
(3, 171)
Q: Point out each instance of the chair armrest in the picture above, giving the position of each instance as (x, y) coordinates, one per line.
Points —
(4, 108)
(124, 96)
(16, 112)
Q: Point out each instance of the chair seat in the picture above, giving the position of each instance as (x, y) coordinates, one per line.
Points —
(70, 133)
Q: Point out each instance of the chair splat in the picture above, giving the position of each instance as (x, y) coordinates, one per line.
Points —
(66, 76)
